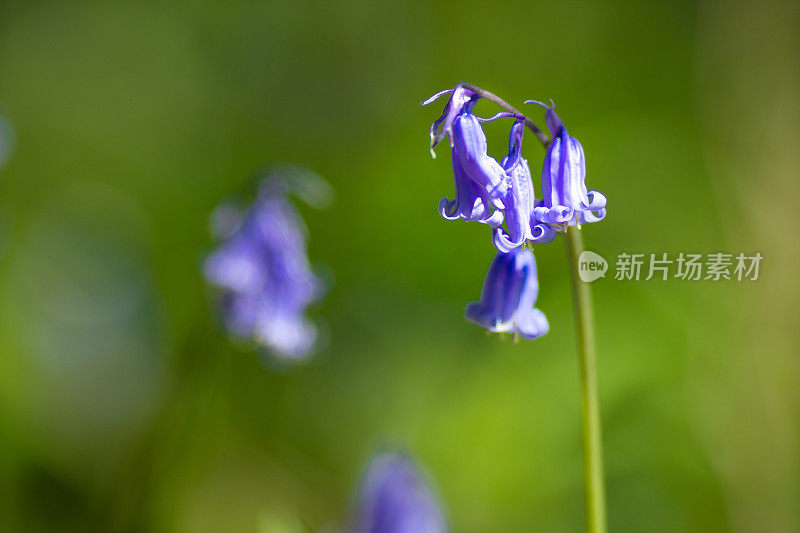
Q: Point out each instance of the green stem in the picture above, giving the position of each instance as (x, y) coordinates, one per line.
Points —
(594, 493)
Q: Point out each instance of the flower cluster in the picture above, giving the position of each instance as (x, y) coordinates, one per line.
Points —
(502, 196)
(263, 271)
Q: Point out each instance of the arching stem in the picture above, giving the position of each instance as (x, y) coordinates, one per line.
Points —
(508, 107)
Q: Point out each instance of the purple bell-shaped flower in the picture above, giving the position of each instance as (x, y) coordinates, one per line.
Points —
(266, 281)
(509, 295)
(520, 200)
(565, 199)
(393, 498)
(480, 181)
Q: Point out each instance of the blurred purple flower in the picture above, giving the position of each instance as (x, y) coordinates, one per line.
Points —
(393, 498)
(565, 198)
(520, 200)
(509, 295)
(6, 140)
(263, 271)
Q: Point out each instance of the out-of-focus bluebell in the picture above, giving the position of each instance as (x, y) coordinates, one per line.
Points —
(263, 270)
(393, 498)
(6, 140)
(520, 200)
(509, 295)
(565, 199)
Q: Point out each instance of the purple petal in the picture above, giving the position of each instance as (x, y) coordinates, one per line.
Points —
(471, 202)
(541, 233)
(532, 324)
(509, 295)
(459, 102)
(469, 145)
(393, 498)
(265, 278)
(565, 199)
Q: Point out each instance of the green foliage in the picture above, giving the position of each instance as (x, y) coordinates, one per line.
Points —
(123, 407)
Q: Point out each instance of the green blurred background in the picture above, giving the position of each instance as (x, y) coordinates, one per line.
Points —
(124, 407)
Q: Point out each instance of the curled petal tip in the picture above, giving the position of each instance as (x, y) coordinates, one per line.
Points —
(502, 114)
(503, 242)
(495, 220)
(541, 234)
(596, 201)
(436, 96)
(553, 215)
(592, 216)
(532, 325)
(539, 103)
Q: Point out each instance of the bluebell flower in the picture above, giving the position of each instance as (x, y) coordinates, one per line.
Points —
(461, 100)
(565, 199)
(393, 498)
(520, 200)
(471, 202)
(479, 179)
(509, 295)
(266, 281)
(469, 146)
(6, 140)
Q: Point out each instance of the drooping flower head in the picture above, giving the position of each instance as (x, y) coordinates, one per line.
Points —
(263, 271)
(565, 199)
(520, 200)
(509, 295)
(460, 97)
(393, 498)
(479, 179)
